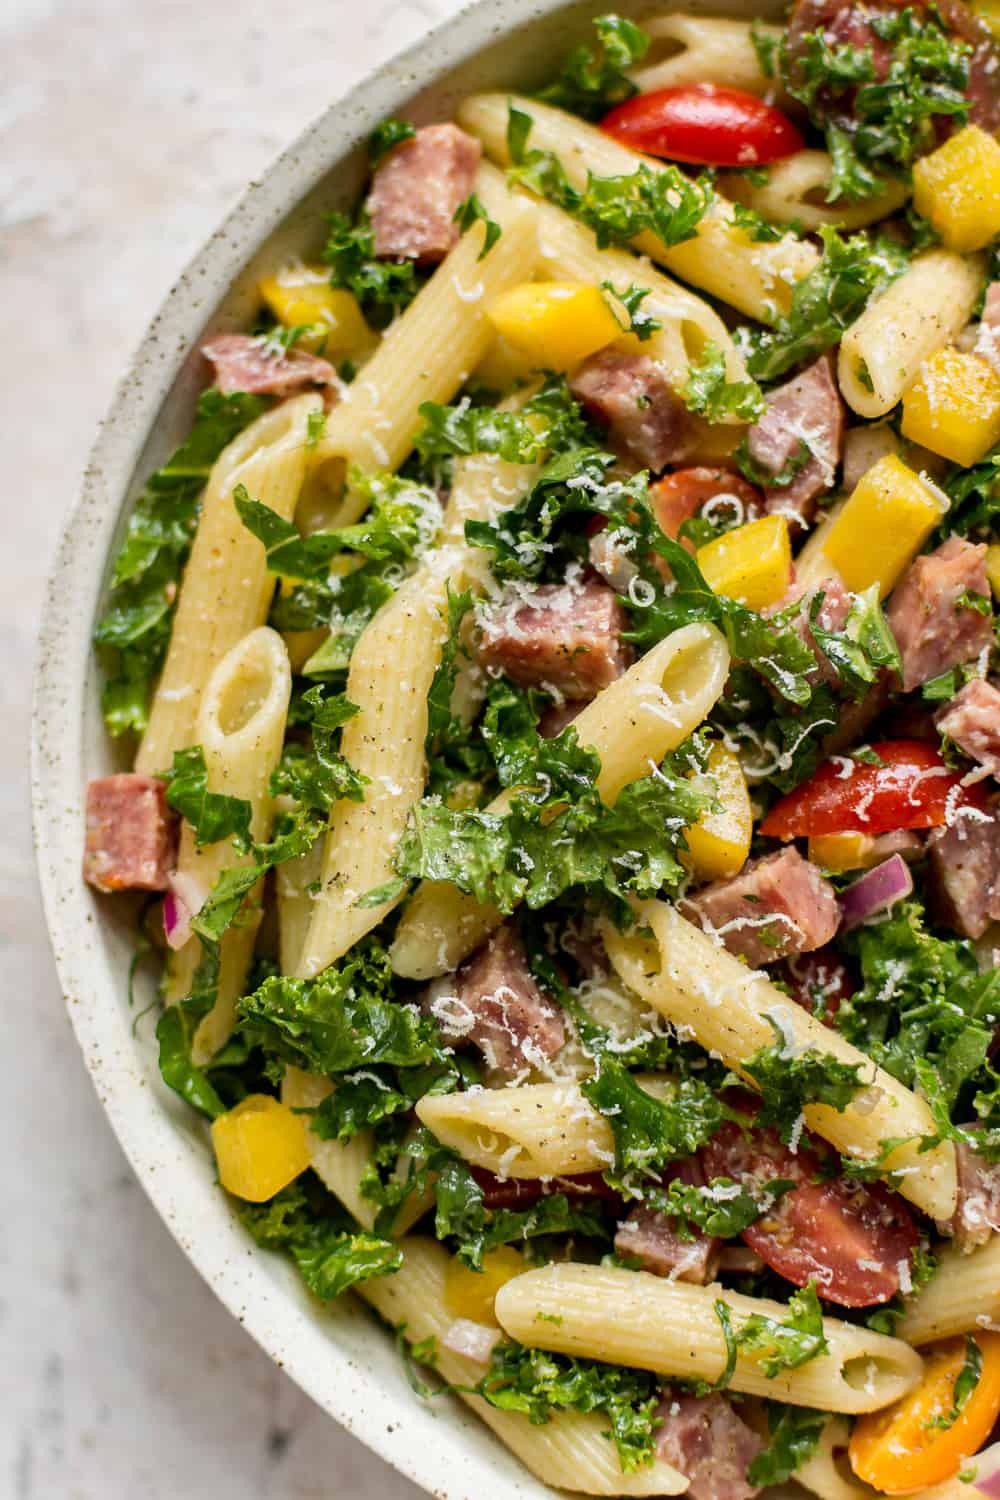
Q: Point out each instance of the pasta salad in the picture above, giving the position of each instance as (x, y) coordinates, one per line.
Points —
(562, 670)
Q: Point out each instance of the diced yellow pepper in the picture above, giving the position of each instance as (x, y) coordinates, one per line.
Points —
(957, 188)
(305, 298)
(260, 1147)
(557, 322)
(470, 1294)
(837, 852)
(989, 11)
(719, 842)
(953, 407)
(752, 564)
(993, 567)
(882, 526)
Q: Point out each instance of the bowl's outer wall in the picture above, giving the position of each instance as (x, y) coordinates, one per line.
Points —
(337, 1355)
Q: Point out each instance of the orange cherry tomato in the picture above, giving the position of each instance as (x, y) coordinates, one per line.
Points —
(904, 1448)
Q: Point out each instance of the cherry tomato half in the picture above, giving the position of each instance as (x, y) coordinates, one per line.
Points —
(851, 1238)
(910, 789)
(704, 124)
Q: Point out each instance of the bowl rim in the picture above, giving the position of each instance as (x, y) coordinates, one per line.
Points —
(157, 1151)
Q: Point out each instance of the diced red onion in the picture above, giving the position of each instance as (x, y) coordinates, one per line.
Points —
(183, 901)
(471, 1340)
(876, 891)
(987, 1467)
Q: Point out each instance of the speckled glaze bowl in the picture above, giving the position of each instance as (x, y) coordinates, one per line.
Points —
(339, 1356)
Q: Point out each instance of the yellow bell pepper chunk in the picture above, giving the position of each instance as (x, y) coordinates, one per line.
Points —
(953, 407)
(260, 1147)
(471, 1294)
(718, 844)
(304, 298)
(557, 322)
(752, 564)
(837, 852)
(957, 188)
(993, 567)
(882, 526)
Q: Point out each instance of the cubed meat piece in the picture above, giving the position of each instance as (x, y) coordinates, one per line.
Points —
(977, 1215)
(832, 617)
(494, 1002)
(632, 397)
(262, 368)
(705, 1440)
(806, 410)
(933, 615)
(686, 493)
(417, 189)
(850, 23)
(775, 906)
(565, 637)
(972, 722)
(131, 834)
(653, 1238)
(965, 872)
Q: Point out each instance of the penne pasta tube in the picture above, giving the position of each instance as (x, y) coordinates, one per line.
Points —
(796, 192)
(531, 1130)
(632, 724)
(918, 314)
(719, 258)
(391, 672)
(341, 1165)
(695, 983)
(827, 1472)
(295, 882)
(226, 589)
(569, 1452)
(240, 727)
(961, 1296)
(637, 1319)
(426, 355)
(568, 251)
(704, 49)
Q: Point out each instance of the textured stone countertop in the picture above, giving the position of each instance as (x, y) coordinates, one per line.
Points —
(127, 127)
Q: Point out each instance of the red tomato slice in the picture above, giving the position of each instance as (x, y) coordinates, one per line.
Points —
(522, 1192)
(704, 124)
(911, 789)
(852, 1239)
(678, 496)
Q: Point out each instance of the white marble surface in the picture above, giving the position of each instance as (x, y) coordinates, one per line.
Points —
(126, 128)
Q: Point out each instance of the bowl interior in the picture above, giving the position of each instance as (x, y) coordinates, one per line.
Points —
(338, 1354)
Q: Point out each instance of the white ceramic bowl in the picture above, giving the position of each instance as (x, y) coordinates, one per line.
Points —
(339, 1356)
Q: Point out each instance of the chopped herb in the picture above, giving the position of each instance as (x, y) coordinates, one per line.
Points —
(592, 82)
(471, 211)
(642, 324)
(793, 1436)
(789, 1079)
(965, 1383)
(383, 287)
(310, 1226)
(779, 1345)
(650, 1131)
(385, 137)
(712, 396)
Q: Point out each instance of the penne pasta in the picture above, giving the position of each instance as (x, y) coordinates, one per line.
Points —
(533, 1130)
(226, 589)
(918, 314)
(827, 1472)
(568, 251)
(431, 349)
(633, 1318)
(391, 672)
(241, 728)
(720, 259)
(796, 192)
(570, 1451)
(962, 1295)
(632, 724)
(704, 49)
(681, 972)
(341, 1165)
